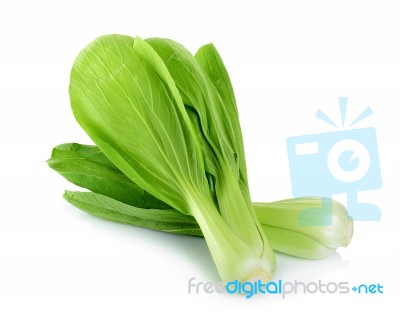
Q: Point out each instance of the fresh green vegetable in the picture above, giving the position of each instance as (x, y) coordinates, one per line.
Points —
(130, 98)
(170, 157)
(218, 130)
(87, 167)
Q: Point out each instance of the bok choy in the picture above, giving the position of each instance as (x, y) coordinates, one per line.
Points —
(132, 105)
(169, 156)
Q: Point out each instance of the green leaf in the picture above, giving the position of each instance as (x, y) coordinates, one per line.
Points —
(125, 99)
(86, 166)
(166, 220)
(199, 93)
(212, 65)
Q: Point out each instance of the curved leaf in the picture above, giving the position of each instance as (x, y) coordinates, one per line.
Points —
(125, 99)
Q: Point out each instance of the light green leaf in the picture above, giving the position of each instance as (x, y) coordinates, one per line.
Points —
(125, 99)
(200, 94)
(212, 65)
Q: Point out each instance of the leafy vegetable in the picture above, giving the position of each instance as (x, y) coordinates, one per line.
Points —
(132, 105)
(220, 134)
(170, 157)
(81, 164)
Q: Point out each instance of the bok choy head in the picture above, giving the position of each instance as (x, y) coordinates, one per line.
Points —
(127, 100)
(205, 88)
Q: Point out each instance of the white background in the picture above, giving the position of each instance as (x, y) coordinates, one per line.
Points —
(286, 59)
